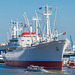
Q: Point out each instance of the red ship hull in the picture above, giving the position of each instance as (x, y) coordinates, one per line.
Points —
(46, 64)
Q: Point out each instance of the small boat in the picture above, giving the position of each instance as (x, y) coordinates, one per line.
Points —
(35, 68)
(71, 66)
(71, 60)
(71, 63)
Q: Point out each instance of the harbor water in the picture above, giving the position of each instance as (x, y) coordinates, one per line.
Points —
(8, 70)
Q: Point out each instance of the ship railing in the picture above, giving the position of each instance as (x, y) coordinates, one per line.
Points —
(13, 54)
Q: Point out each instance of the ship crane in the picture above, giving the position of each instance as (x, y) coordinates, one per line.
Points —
(55, 36)
(37, 22)
(29, 27)
(27, 21)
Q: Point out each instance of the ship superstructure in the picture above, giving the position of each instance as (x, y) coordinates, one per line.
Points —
(34, 48)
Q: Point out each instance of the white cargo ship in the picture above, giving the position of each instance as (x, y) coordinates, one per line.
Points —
(32, 48)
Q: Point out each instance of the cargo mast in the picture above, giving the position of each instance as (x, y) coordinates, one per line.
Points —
(47, 23)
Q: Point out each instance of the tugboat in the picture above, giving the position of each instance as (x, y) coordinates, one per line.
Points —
(36, 68)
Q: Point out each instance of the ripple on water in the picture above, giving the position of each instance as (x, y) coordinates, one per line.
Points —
(8, 70)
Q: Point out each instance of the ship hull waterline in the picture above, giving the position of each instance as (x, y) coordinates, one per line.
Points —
(46, 64)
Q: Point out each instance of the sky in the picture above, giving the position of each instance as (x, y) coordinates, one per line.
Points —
(14, 9)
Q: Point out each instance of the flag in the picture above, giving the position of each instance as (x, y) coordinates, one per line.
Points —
(21, 25)
(25, 24)
(40, 8)
(44, 12)
(50, 8)
(15, 23)
(64, 33)
(12, 22)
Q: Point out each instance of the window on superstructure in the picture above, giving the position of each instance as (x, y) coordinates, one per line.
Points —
(26, 36)
(13, 40)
